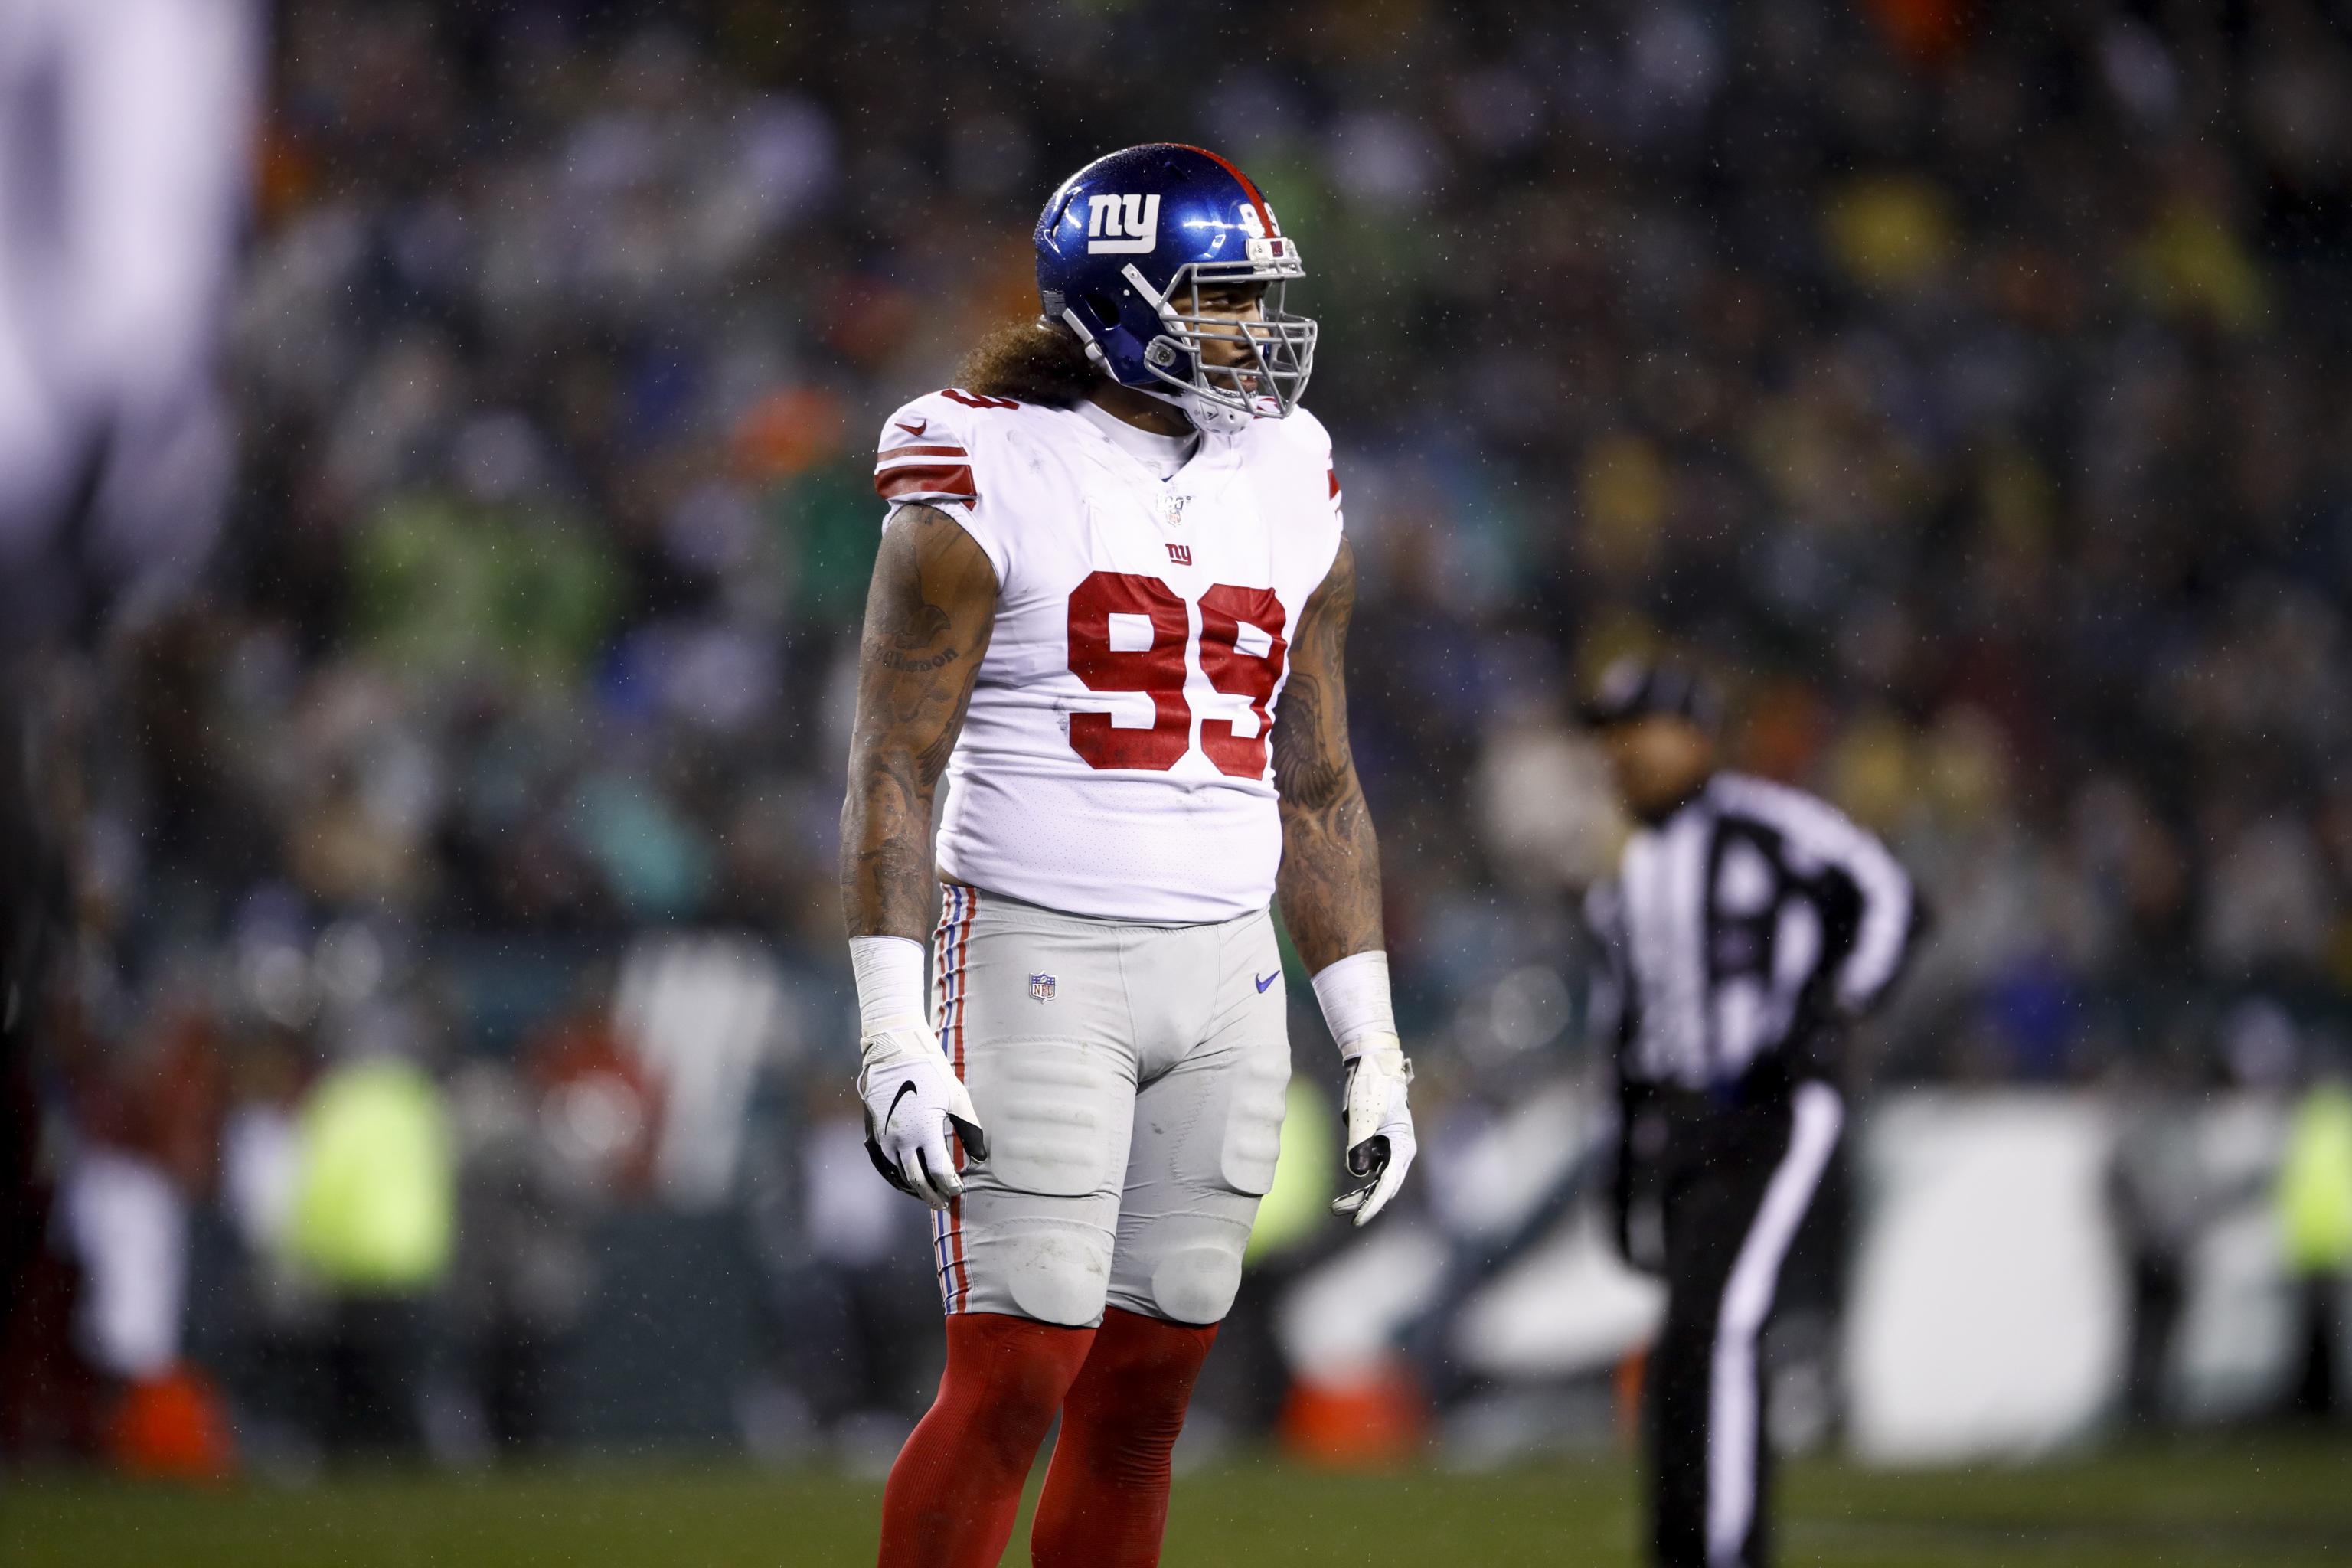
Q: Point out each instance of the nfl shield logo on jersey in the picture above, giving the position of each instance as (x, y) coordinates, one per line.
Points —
(1041, 988)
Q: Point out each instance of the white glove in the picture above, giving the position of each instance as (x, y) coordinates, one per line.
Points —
(1381, 1144)
(913, 1098)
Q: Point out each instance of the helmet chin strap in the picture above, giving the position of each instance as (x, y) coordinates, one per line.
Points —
(1212, 418)
(1208, 416)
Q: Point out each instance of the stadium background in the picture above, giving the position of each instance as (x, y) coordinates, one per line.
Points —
(1960, 383)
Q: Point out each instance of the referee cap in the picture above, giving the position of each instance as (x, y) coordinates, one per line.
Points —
(1636, 687)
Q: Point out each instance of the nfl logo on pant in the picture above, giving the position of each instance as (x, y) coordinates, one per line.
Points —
(1041, 988)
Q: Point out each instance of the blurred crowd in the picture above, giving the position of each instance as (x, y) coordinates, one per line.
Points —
(1959, 384)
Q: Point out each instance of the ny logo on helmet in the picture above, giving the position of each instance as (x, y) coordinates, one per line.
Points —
(1122, 226)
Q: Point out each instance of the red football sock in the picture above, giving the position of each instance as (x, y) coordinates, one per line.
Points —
(957, 1484)
(1106, 1498)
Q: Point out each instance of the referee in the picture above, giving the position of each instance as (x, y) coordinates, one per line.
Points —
(1746, 924)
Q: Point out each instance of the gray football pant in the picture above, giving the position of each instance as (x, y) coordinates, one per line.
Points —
(1131, 1079)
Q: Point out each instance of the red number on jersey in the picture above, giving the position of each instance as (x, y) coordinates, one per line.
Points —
(977, 400)
(1157, 670)
(1223, 608)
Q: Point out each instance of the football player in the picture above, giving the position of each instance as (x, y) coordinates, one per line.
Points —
(1113, 556)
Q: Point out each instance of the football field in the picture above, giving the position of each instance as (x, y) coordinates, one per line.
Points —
(2239, 1501)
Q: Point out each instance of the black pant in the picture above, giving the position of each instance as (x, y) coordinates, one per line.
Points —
(375, 1356)
(1731, 1184)
(2314, 1383)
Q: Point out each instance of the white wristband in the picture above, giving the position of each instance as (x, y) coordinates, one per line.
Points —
(1355, 996)
(890, 980)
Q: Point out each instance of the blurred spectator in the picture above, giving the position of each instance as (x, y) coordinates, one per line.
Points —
(122, 176)
(521, 1278)
(864, 1300)
(2160, 1201)
(373, 1224)
(2314, 1210)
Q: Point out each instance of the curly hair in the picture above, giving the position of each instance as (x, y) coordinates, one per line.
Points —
(1030, 362)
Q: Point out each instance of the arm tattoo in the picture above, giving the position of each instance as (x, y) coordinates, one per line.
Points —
(917, 634)
(1329, 886)
(928, 615)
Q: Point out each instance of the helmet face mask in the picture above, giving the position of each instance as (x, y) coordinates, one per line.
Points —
(1236, 362)
(1153, 301)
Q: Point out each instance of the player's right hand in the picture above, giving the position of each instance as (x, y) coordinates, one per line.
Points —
(916, 1111)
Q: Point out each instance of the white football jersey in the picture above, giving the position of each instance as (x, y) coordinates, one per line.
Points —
(1116, 760)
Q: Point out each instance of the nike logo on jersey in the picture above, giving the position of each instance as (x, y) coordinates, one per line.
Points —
(916, 428)
(1265, 980)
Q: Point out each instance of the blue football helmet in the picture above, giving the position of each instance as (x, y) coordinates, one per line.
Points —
(1124, 250)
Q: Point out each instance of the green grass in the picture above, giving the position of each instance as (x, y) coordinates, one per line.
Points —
(2246, 1503)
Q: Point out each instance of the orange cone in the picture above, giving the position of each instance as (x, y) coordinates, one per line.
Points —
(172, 1427)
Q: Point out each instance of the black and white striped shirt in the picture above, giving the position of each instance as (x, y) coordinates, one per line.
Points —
(1734, 930)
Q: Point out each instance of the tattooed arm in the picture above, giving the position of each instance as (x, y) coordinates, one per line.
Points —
(1330, 894)
(929, 617)
(1331, 883)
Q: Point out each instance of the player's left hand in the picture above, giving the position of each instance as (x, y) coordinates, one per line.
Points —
(1381, 1144)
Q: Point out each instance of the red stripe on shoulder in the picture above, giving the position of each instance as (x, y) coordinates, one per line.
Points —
(953, 482)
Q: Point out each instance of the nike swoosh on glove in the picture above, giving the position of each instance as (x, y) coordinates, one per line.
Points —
(914, 1105)
(1381, 1144)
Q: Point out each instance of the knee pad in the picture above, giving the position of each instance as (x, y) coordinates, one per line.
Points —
(1054, 1274)
(1197, 1284)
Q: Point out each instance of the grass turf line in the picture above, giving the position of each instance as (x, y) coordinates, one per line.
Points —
(2246, 1503)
